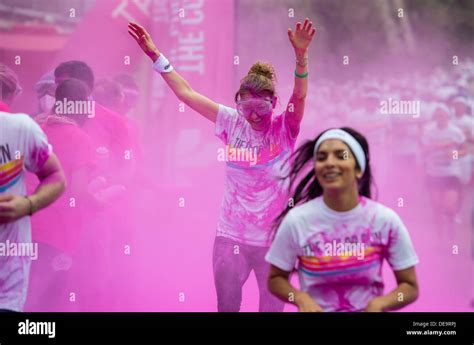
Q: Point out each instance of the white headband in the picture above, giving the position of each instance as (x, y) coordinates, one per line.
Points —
(346, 138)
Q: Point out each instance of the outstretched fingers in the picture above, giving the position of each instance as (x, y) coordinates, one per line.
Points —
(136, 25)
(132, 30)
(305, 24)
(290, 33)
(298, 26)
(135, 37)
(137, 29)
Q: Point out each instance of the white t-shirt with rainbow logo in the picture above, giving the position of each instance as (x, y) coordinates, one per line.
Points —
(339, 255)
(23, 146)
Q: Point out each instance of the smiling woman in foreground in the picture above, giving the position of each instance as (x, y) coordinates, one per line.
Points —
(338, 237)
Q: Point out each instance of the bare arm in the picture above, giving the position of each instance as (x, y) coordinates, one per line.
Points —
(405, 293)
(279, 285)
(300, 41)
(52, 185)
(191, 98)
(175, 81)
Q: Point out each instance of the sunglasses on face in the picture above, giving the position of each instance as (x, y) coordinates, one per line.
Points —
(261, 107)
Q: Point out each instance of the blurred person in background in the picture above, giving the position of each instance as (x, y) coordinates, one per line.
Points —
(113, 178)
(130, 91)
(442, 141)
(45, 89)
(55, 274)
(107, 129)
(9, 87)
(376, 126)
(464, 121)
(109, 93)
(121, 98)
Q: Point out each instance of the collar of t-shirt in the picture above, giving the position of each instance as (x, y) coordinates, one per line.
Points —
(260, 134)
(329, 212)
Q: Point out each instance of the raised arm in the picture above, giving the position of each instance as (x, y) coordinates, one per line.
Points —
(175, 81)
(300, 40)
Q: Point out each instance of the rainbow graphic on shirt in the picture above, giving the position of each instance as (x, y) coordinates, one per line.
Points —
(343, 264)
(10, 174)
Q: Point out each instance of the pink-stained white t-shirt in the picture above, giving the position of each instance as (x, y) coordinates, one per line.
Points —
(23, 146)
(311, 237)
(254, 191)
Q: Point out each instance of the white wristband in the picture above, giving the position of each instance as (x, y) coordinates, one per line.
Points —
(162, 65)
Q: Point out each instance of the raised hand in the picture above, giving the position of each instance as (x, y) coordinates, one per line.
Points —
(301, 38)
(144, 40)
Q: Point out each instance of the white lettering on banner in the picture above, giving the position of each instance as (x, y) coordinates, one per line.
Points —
(120, 10)
(195, 9)
(186, 39)
(188, 50)
(160, 12)
(143, 6)
(175, 20)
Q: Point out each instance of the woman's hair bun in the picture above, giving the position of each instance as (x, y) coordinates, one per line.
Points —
(264, 69)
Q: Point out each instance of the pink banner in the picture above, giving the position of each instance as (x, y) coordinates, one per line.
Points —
(101, 39)
(198, 38)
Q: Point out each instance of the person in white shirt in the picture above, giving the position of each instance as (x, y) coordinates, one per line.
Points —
(336, 236)
(23, 146)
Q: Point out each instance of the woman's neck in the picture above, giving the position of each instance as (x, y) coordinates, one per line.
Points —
(341, 201)
(262, 129)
